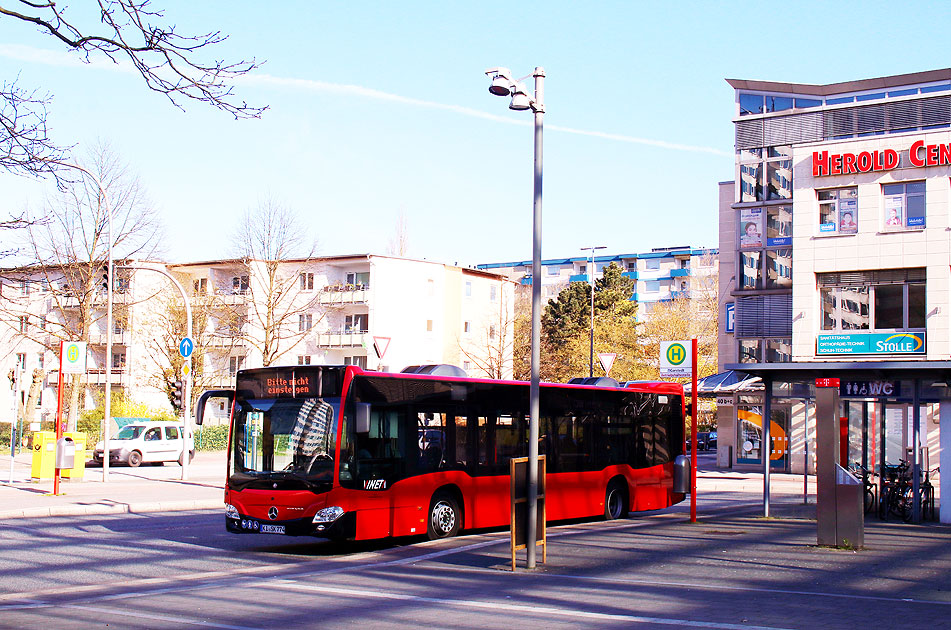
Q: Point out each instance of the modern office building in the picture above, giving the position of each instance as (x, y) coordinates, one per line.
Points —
(378, 312)
(835, 262)
(662, 274)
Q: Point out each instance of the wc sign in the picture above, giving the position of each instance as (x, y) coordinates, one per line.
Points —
(675, 359)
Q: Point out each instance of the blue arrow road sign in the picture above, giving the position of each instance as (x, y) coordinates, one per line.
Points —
(186, 347)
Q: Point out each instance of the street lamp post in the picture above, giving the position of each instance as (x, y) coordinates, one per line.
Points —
(591, 282)
(503, 85)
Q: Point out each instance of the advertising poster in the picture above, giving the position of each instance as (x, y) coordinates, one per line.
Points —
(893, 211)
(751, 227)
(848, 215)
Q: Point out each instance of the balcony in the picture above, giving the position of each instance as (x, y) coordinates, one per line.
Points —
(118, 339)
(94, 376)
(234, 298)
(342, 294)
(343, 339)
(225, 341)
(678, 273)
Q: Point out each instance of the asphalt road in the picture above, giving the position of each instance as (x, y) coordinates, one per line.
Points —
(730, 570)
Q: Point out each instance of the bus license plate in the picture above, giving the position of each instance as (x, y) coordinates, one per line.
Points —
(271, 529)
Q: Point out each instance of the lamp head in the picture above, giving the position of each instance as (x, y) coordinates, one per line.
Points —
(520, 99)
(501, 81)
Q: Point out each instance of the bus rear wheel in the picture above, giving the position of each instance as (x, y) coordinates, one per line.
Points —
(445, 517)
(615, 501)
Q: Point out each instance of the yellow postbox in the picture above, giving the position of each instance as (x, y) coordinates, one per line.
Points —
(44, 454)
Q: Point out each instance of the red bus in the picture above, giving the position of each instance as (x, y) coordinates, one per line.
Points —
(340, 452)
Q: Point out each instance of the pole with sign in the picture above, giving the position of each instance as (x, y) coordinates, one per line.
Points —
(607, 360)
(677, 361)
(72, 360)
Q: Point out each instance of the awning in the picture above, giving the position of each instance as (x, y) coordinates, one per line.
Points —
(729, 382)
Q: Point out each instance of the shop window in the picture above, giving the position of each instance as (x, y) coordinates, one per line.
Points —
(838, 211)
(904, 206)
(887, 306)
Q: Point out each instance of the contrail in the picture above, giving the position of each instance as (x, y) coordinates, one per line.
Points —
(52, 58)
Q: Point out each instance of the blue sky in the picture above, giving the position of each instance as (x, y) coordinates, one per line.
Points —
(382, 107)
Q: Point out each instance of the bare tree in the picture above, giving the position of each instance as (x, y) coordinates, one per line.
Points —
(283, 305)
(399, 242)
(170, 326)
(123, 31)
(493, 354)
(71, 253)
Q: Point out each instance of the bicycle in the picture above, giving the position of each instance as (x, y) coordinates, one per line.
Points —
(870, 490)
(895, 487)
(926, 490)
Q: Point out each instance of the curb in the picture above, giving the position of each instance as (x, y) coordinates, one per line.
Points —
(115, 508)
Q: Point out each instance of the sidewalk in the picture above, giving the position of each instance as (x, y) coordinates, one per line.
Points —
(143, 489)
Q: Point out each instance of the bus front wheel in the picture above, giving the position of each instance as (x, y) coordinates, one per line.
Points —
(445, 517)
(615, 501)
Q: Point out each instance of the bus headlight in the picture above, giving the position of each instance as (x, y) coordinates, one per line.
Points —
(328, 514)
(231, 511)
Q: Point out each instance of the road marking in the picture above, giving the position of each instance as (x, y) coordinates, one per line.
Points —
(496, 606)
(125, 612)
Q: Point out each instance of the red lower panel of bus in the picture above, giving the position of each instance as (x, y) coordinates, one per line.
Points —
(403, 509)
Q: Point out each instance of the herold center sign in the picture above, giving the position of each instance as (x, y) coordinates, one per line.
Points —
(918, 155)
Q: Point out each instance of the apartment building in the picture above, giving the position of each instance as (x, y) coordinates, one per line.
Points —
(835, 262)
(378, 312)
(662, 274)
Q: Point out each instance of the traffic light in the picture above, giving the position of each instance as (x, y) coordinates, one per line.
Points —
(178, 395)
(105, 282)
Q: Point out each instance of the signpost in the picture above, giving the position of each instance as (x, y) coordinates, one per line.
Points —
(677, 362)
(186, 347)
(607, 360)
(380, 346)
(72, 360)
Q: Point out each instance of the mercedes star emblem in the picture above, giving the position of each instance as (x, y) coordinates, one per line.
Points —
(272, 513)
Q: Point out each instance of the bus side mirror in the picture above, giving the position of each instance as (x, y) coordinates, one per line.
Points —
(363, 418)
(203, 399)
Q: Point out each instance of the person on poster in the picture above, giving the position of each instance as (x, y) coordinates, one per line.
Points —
(893, 219)
(847, 223)
(751, 236)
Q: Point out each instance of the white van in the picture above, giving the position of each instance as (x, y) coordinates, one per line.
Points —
(147, 442)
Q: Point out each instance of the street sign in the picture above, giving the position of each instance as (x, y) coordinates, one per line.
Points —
(380, 345)
(186, 347)
(607, 360)
(73, 359)
(186, 370)
(675, 359)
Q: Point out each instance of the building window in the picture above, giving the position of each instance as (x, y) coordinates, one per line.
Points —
(24, 287)
(240, 284)
(24, 323)
(750, 351)
(358, 361)
(467, 327)
(235, 364)
(118, 360)
(582, 269)
(553, 270)
(466, 365)
(838, 211)
(430, 287)
(468, 289)
(765, 174)
(652, 286)
(862, 303)
(356, 323)
(904, 206)
(201, 286)
(305, 322)
(631, 266)
(765, 257)
(303, 359)
(21, 360)
(429, 325)
(491, 332)
(40, 360)
(652, 264)
(307, 282)
(493, 293)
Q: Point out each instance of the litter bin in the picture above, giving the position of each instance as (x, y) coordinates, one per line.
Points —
(44, 454)
(79, 458)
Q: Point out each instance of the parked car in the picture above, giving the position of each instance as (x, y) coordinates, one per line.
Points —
(147, 442)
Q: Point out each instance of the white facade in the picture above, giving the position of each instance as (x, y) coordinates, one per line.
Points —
(335, 310)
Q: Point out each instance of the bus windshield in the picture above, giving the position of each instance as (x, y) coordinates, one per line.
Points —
(285, 437)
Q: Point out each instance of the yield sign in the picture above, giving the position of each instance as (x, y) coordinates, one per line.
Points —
(607, 360)
(380, 344)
